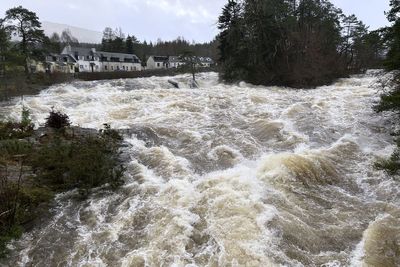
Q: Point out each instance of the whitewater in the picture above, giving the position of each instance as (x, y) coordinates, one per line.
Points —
(226, 175)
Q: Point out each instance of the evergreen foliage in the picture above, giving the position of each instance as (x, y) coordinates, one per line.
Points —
(390, 100)
(27, 26)
(57, 120)
(33, 170)
(294, 43)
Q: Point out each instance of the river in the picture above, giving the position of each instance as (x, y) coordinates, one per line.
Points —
(226, 175)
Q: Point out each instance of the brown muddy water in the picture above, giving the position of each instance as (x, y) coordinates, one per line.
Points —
(227, 175)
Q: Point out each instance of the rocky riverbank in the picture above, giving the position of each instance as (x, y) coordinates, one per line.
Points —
(37, 164)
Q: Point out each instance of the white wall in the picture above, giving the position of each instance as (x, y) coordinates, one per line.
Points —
(120, 66)
(151, 64)
(85, 66)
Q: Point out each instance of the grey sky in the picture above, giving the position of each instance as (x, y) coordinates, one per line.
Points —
(165, 19)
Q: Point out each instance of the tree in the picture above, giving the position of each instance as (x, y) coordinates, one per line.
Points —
(230, 39)
(67, 37)
(27, 26)
(286, 42)
(4, 45)
(108, 37)
(113, 41)
(53, 44)
(393, 36)
(191, 61)
(129, 45)
(390, 100)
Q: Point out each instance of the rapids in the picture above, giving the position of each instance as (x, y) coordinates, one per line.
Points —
(226, 175)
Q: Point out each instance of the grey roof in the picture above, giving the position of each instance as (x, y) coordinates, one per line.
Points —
(160, 58)
(82, 51)
(66, 58)
(121, 56)
(174, 59)
(206, 60)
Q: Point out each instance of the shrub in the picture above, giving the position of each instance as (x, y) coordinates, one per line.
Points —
(17, 130)
(83, 162)
(8, 235)
(57, 120)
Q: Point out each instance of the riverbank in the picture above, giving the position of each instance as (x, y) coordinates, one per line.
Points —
(17, 84)
(35, 165)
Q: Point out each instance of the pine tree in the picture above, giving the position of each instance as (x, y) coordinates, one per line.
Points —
(4, 46)
(129, 45)
(27, 26)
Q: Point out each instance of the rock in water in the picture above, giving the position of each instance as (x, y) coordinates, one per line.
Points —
(174, 83)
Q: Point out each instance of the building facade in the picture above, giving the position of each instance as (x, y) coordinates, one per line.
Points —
(157, 62)
(168, 62)
(78, 59)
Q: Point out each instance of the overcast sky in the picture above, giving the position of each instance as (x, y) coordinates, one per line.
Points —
(165, 19)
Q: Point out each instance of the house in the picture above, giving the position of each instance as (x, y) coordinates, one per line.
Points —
(119, 62)
(79, 59)
(158, 62)
(168, 62)
(205, 62)
(86, 59)
(59, 63)
(175, 61)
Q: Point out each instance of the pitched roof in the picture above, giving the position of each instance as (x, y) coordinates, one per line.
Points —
(174, 59)
(121, 56)
(160, 58)
(206, 60)
(83, 51)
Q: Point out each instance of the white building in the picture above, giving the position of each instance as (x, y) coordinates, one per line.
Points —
(119, 62)
(157, 62)
(175, 62)
(78, 59)
(205, 62)
(168, 62)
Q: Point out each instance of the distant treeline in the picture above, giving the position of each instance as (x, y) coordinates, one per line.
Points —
(298, 43)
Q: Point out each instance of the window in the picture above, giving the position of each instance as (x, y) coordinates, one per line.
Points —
(112, 67)
(117, 67)
(81, 67)
(132, 68)
(105, 67)
(158, 64)
(123, 67)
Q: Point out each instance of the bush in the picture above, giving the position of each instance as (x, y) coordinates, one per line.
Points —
(17, 130)
(59, 163)
(84, 162)
(8, 235)
(57, 120)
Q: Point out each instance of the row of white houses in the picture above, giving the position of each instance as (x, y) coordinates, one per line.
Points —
(78, 59)
(168, 62)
